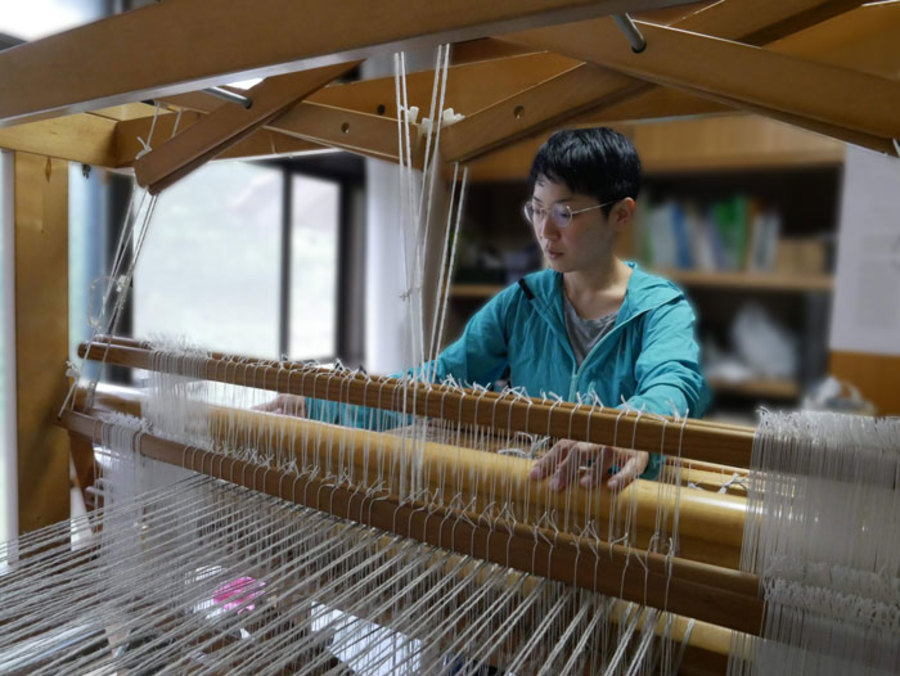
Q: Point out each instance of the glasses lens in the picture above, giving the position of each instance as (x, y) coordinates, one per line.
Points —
(561, 215)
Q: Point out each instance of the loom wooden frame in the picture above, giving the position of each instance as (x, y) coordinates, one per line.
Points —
(691, 439)
(769, 20)
(228, 124)
(723, 597)
(34, 87)
(266, 47)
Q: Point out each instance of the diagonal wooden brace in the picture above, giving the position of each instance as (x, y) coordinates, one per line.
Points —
(228, 124)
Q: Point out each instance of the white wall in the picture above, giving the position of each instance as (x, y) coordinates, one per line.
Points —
(389, 323)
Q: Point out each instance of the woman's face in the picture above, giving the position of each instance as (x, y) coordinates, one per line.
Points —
(585, 243)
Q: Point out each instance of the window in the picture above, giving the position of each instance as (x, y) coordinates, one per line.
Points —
(213, 270)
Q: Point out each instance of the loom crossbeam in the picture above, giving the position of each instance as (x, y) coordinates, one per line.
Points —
(722, 444)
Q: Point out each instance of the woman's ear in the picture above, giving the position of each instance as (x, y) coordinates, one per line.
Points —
(622, 213)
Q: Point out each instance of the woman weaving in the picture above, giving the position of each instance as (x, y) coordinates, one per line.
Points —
(591, 324)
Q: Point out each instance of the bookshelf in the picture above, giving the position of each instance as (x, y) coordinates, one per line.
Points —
(753, 281)
(766, 388)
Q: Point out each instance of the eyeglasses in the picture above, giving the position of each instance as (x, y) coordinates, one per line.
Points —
(560, 214)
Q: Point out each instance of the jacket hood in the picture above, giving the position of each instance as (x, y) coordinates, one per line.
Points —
(644, 292)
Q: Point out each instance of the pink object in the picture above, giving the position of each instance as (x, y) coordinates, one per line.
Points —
(238, 594)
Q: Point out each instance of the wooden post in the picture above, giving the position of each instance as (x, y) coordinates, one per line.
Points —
(41, 317)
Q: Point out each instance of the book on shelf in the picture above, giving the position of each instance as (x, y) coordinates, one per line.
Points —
(733, 234)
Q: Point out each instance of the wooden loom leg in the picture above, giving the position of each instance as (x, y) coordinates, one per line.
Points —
(42, 338)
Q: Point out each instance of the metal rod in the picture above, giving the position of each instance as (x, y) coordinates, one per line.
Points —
(627, 26)
(230, 96)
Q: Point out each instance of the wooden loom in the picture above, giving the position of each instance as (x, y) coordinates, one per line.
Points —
(777, 59)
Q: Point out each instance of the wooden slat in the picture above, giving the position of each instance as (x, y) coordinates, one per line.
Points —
(307, 126)
(174, 47)
(370, 135)
(485, 49)
(261, 143)
(699, 440)
(761, 281)
(864, 40)
(126, 111)
(470, 87)
(42, 337)
(654, 102)
(766, 20)
(228, 124)
(707, 66)
(84, 138)
(582, 88)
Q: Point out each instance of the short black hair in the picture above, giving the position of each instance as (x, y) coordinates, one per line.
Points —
(599, 162)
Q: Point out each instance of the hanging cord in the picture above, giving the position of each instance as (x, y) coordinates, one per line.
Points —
(445, 291)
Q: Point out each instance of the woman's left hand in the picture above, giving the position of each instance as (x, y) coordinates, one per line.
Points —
(567, 458)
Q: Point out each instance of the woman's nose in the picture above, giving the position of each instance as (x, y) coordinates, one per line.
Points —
(546, 228)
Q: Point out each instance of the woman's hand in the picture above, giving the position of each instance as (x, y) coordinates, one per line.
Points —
(567, 458)
(285, 404)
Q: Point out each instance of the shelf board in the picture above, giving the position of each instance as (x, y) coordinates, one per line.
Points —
(475, 290)
(754, 281)
(758, 387)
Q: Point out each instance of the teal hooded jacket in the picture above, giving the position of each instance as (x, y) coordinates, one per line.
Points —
(650, 359)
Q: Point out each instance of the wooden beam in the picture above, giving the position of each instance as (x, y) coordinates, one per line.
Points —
(228, 124)
(485, 49)
(581, 88)
(708, 66)
(884, 145)
(42, 337)
(261, 143)
(127, 111)
(470, 87)
(84, 138)
(571, 93)
(864, 40)
(764, 21)
(304, 127)
(731, 20)
(173, 47)
(653, 102)
(370, 135)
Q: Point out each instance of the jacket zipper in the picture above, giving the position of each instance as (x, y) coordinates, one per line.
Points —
(576, 374)
(564, 336)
